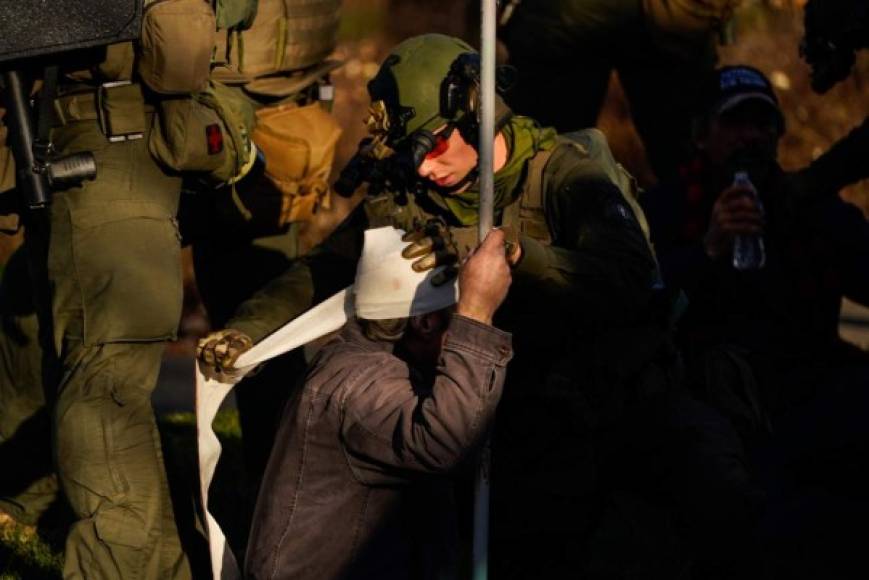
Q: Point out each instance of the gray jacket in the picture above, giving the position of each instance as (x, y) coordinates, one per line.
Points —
(357, 486)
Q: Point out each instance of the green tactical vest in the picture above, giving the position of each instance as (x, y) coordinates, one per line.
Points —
(527, 213)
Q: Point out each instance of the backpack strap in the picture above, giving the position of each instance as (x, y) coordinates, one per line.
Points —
(527, 213)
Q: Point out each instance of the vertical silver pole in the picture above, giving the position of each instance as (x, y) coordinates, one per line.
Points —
(480, 549)
(487, 116)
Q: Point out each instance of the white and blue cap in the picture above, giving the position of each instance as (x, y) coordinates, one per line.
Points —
(735, 85)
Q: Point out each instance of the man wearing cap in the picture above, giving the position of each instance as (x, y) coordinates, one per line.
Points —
(762, 345)
(580, 258)
(358, 483)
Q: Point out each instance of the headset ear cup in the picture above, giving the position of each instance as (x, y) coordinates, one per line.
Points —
(449, 97)
(473, 99)
(460, 89)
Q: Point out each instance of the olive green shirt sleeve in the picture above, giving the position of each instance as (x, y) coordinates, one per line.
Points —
(327, 269)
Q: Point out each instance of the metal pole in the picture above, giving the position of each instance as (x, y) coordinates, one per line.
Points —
(487, 116)
(480, 548)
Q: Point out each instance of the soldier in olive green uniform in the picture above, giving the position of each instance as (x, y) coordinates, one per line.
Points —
(582, 260)
(114, 275)
(113, 269)
(566, 50)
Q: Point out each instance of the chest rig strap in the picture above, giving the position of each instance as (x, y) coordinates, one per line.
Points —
(527, 213)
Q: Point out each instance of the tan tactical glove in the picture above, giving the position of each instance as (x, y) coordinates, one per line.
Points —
(432, 246)
(218, 352)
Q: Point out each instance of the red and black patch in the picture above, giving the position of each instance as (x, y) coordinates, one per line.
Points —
(214, 139)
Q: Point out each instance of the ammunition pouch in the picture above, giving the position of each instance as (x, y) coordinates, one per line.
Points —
(118, 107)
(296, 145)
(207, 133)
(178, 37)
(121, 110)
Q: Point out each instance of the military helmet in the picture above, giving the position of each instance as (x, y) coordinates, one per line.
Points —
(426, 81)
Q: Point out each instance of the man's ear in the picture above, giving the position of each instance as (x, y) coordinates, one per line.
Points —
(426, 325)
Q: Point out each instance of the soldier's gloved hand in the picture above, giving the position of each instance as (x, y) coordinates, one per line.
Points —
(218, 351)
(431, 246)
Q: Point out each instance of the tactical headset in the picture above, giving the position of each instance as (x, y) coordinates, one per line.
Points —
(460, 91)
(460, 105)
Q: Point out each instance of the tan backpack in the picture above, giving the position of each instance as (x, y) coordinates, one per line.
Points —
(287, 36)
(175, 47)
(178, 39)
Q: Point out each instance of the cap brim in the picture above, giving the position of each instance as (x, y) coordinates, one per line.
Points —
(286, 85)
(733, 101)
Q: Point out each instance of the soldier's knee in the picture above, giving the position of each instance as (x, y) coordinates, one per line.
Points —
(105, 433)
(114, 542)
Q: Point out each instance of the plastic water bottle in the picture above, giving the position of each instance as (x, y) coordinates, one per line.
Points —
(748, 250)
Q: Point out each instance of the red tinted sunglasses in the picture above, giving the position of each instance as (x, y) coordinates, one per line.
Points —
(441, 143)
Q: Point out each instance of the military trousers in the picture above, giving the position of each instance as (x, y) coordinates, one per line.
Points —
(113, 269)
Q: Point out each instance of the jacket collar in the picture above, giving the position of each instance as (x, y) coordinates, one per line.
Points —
(352, 332)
